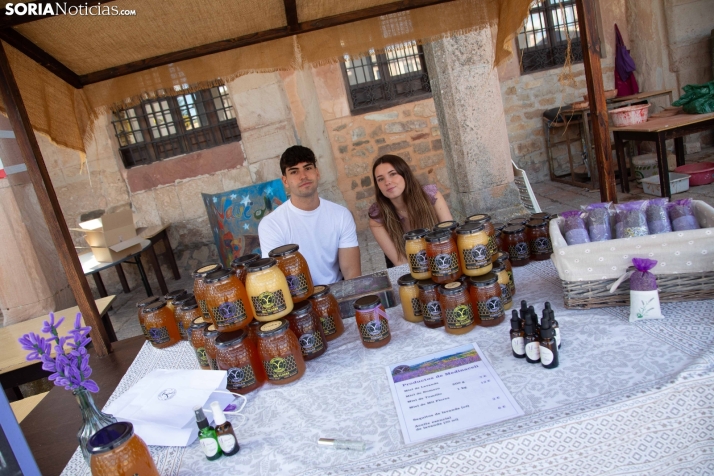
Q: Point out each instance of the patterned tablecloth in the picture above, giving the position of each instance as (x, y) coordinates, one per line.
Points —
(626, 399)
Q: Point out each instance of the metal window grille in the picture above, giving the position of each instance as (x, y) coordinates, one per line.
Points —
(376, 81)
(543, 42)
(164, 127)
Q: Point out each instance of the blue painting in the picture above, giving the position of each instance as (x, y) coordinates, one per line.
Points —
(234, 217)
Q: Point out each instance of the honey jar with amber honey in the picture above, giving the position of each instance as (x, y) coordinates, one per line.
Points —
(538, 238)
(116, 451)
(456, 308)
(502, 256)
(198, 341)
(443, 256)
(170, 296)
(516, 245)
(280, 352)
(238, 265)
(268, 290)
(199, 286)
(293, 265)
(185, 314)
(308, 329)
(161, 325)
(430, 305)
(415, 247)
(488, 227)
(227, 301)
(141, 305)
(372, 322)
(328, 310)
(474, 254)
(209, 342)
(486, 297)
(238, 356)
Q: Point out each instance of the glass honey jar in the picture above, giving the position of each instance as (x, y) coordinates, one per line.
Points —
(253, 330)
(538, 238)
(474, 254)
(415, 247)
(199, 286)
(268, 290)
(486, 296)
(518, 221)
(141, 305)
(238, 356)
(450, 225)
(209, 342)
(327, 309)
(227, 302)
(456, 309)
(293, 265)
(409, 297)
(372, 323)
(308, 329)
(198, 342)
(516, 245)
(430, 304)
(170, 296)
(239, 264)
(499, 269)
(502, 256)
(280, 352)
(161, 325)
(488, 227)
(116, 451)
(443, 257)
(186, 313)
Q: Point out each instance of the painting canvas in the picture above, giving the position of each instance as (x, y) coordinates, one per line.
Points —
(234, 217)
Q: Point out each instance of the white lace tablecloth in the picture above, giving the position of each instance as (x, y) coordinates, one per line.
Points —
(626, 399)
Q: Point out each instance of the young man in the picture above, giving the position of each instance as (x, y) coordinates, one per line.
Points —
(325, 231)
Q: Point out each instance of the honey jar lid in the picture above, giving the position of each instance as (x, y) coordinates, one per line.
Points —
(367, 302)
(479, 218)
(536, 223)
(301, 308)
(450, 289)
(501, 256)
(320, 291)
(470, 228)
(210, 330)
(228, 339)
(273, 328)
(484, 280)
(499, 266)
(198, 323)
(182, 299)
(499, 226)
(218, 275)
(540, 216)
(147, 301)
(244, 260)
(407, 280)
(416, 234)
(438, 236)
(204, 270)
(261, 264)
(189, 304)
(513, 229)
(283, 250)
(110, 437)
(426, 284)
(154, 306)
(446, 225)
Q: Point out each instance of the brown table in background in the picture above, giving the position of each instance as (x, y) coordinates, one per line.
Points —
(51, 428)
(156, 234)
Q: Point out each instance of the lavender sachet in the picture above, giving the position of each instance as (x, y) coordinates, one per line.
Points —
(598, 221)
(631, 219)
(657, 216)
(574, 227)
(682, 216)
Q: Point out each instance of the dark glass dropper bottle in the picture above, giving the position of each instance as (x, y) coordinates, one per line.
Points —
(207, 436)
(531, 341)
(553, 323)
(548, 347)
(518, 345)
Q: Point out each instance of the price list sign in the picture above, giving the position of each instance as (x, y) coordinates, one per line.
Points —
(447, 392)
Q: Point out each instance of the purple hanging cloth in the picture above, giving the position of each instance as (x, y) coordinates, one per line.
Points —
(625, 81)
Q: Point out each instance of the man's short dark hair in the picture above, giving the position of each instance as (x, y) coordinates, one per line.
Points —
(294, 155)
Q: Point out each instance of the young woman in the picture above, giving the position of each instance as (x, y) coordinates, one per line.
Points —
(402, 205)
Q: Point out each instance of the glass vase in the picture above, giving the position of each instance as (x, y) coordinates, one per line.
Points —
(92, 419)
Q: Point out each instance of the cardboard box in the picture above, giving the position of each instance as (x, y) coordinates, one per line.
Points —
(111, 236)
(117, 252)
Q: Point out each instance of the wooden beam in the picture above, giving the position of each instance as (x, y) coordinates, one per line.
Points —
(255, 38)
(590, 41)
(36, 169)
(291, 14)
(7, 21)
(40, 56)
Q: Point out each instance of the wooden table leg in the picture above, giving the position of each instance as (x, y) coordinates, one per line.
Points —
(663, 167)
(170, 252)
(109, 327)
(100, 285)
(157, 269)
(142, 273)
(122, 278)
(622, 163)
(679, 150)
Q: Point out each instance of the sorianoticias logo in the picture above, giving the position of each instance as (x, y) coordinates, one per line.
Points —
(62, 8)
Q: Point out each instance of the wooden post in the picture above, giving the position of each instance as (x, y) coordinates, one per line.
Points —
(36, 169)
(590, 41)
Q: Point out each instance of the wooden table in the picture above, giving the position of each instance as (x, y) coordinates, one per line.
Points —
(159, 233)
(14, 368)
(53, 440)
(659, 130)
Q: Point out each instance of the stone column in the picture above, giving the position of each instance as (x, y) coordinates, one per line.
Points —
(473, 126)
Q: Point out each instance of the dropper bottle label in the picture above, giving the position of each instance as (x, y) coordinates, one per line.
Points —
(533, 350)
(226, 437)
(546, 356)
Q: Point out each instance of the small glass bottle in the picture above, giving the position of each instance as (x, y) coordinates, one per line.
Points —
(227, 302)
(161, 325)
(186, 313)
(328, 310)
(209, 342)
(499, 269)
(239, 264)
(308, 329)
(293, 265)
(486, 295)
(502, 256)
(548, 347)
(206, 435)
(518, 344)
(280, 352)
(516, 245)
(268, 290)
(415, 247)
(141, 305)
(531, 340)
(372, 322)
(430, 305)
(224, 431)
(198, 342)
(116, 451)
(199, 287)
(409, 297)
(474, 254)
(488, 227)
(456, 308)
(443, 257)
(539, 240)
(238, 356)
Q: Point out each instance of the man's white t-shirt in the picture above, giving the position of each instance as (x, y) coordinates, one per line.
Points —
(319, 233)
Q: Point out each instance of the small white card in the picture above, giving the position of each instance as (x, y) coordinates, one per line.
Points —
(447, 392)
(645, 305)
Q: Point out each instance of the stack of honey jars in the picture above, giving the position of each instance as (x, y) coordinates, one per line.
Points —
(157, 319)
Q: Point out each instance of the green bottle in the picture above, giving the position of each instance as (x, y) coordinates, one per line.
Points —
(207, 436)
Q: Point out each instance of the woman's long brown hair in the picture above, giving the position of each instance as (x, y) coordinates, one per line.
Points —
(420, 211)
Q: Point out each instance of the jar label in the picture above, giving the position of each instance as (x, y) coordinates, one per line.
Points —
(432, 312)
(418, 262)
(459, 317)
(202, 357)
(546, 355)
(280, 368)
(416, 307)
(227, 442)
(533, 350)
(213, 362)
(477, 257)
(328, 325)
(519, 345)
(505, 294)
(183, 331)
(374, 331)
(519, 251)
(240, 377)
(229, 313)
(491, 309)
(143, 329)
(444, 264)
(204, 308)
(209, 446)
(492, 245)
(159, 335)
(541, 246)
(269, 303)
(297, 284)
(311, 343)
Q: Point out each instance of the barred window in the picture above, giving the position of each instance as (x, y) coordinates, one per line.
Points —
(543, 42)
(164, 127)
(377, 81)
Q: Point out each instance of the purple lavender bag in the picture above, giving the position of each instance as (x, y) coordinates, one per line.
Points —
(574, 228)
(657, 218)
(598, 221)
(682, 216)
(631, 220)
(642, 279)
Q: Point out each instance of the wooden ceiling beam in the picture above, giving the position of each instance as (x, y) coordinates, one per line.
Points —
(291, 14)
(8, 21)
